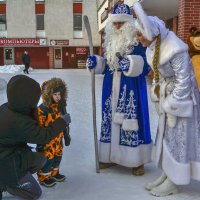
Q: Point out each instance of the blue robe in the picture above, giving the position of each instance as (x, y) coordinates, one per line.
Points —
(129, 148)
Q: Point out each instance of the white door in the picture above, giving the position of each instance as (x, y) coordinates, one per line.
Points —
(8, 56)
(58, 58)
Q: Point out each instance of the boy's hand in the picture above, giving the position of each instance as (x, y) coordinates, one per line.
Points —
(66, 118)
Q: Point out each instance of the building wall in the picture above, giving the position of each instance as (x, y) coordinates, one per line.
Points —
(39, 56)
(20, 16)
(189, 16)
(58, 25)
(58, 19)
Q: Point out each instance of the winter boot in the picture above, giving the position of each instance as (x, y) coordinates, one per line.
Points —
(165, 189)
(59, 177)
(48, 182)
(138, 171)
(157, 182)
(106, 165)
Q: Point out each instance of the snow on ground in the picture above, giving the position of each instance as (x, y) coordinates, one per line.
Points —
(78, 163)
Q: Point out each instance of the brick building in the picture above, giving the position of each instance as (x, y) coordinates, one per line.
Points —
(51, 31)
(188, 16)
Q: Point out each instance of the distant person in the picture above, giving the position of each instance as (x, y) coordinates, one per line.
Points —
(54, 94)
(18, 126)
(26, 61)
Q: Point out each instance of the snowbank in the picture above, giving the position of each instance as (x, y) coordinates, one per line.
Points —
(12, 69)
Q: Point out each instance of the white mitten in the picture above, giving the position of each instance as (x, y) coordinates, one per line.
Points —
(134, 1)
(171, 120)
(157, 105)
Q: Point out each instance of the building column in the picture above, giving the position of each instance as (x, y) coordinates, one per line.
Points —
(188, 16)
(51, 58)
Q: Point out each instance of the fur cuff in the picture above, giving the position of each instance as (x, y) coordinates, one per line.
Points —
(118, 118)
(181, 108)
(136, 65)
(130, 125)
(101, 63)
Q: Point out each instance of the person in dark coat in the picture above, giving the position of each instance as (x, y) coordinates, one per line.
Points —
(18, 126)
(26, 61)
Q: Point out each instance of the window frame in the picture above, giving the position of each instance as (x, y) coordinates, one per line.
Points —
(40, 14)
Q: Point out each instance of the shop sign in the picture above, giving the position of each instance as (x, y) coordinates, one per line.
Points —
(81, 51)
(59, 42)
(22, 41)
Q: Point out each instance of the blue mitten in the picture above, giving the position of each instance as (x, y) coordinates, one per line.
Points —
(91, 62)
(124, 64)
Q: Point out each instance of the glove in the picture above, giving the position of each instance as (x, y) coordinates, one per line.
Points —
(67, 137)
(124, 64)
(91, 62)
(171, 120)
(62, 106)
(66, 118)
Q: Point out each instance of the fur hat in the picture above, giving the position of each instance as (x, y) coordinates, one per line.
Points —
(121, 13)
(51, 86)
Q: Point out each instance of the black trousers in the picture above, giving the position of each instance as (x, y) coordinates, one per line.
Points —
(28, 188)
(27, 67)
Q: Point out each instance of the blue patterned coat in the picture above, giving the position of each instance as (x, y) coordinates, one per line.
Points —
(125, 132)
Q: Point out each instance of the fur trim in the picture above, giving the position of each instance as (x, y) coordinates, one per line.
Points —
(136, 65)
(142, 23)
(195, 172)
(130, 125)
(178, 173)
(48, 90)
(101, 64)
(121, 18)
(169, 47)
(118, 118)
(183, 108)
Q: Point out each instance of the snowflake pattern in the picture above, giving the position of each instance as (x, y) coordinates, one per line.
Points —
(128, 138)
(122, 9)
(121, 101)
(106, 122)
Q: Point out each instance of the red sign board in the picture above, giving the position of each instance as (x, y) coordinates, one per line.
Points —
(22, 41)
(81, 51)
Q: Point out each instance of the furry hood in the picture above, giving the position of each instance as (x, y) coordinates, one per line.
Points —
(48, 90)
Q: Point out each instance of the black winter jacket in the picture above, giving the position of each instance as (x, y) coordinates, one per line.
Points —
(18, 127)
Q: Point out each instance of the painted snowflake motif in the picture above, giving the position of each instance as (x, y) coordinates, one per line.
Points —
(122, 9)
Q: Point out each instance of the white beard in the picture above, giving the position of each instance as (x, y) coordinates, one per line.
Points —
(118, 40)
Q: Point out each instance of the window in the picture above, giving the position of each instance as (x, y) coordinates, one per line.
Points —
(40, 22)
(3, 22)
(77, 22)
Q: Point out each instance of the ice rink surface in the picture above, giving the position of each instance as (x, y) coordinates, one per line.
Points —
(78, 163)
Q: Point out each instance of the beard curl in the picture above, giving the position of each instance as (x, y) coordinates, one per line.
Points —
(120, 40)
